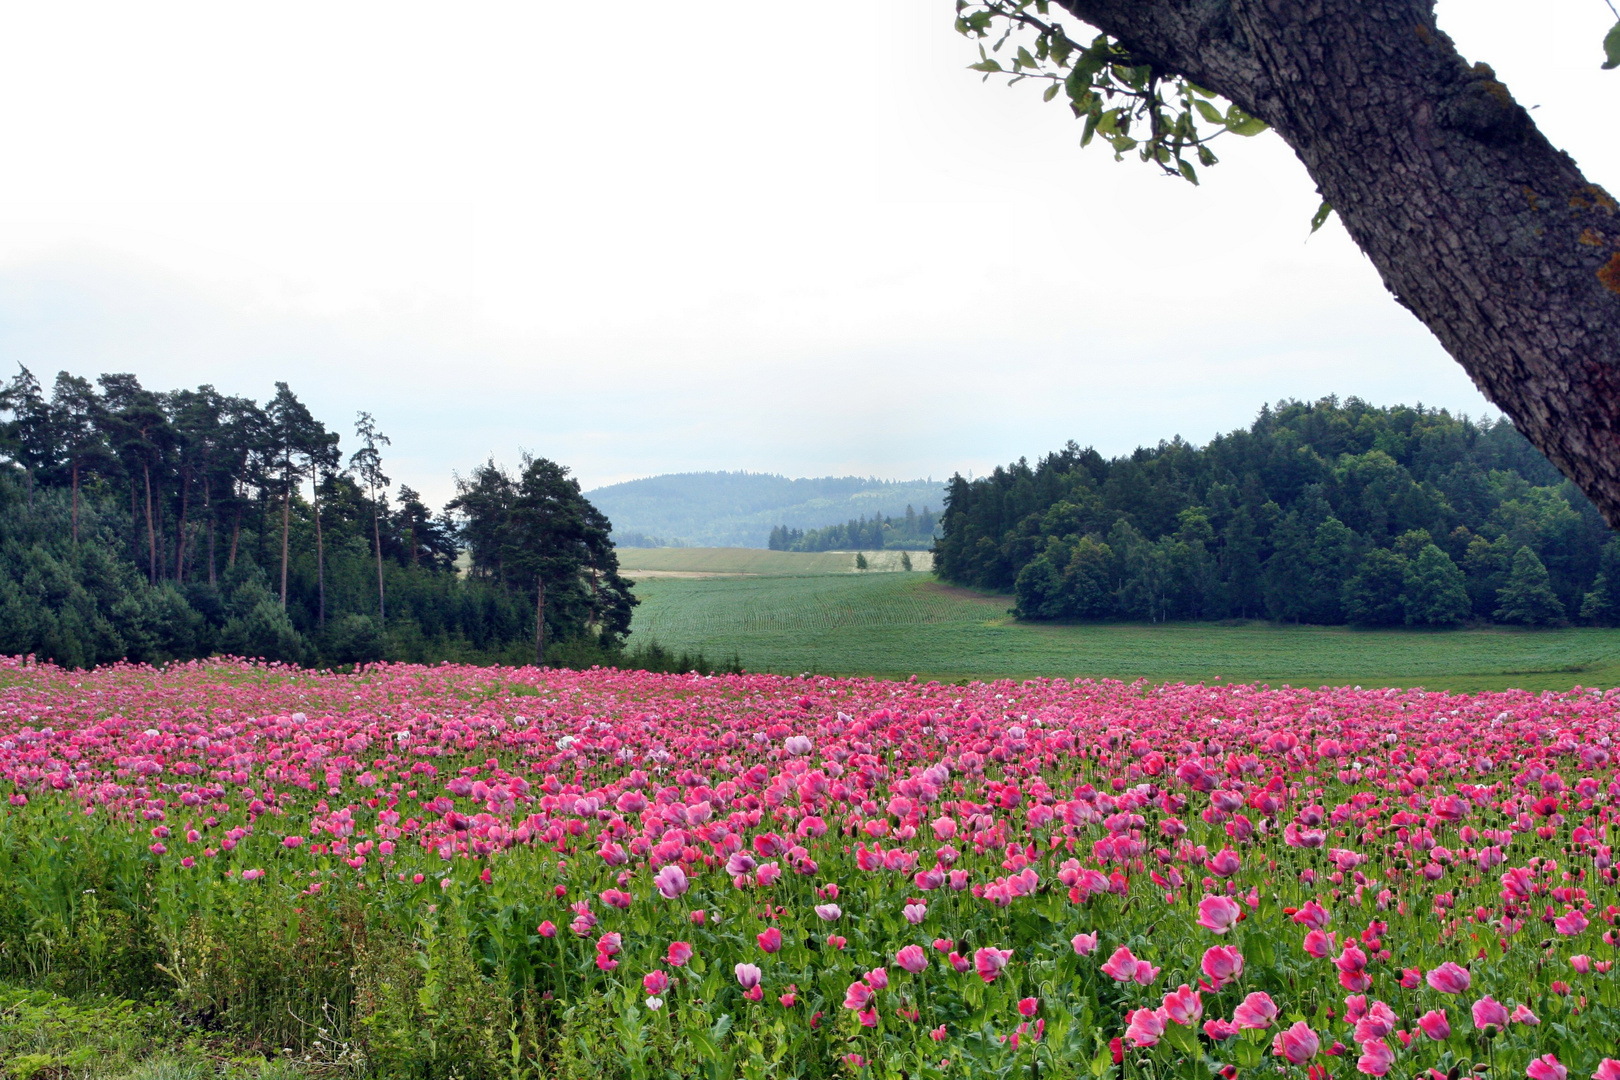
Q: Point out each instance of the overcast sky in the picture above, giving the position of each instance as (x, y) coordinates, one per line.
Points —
(771, 237)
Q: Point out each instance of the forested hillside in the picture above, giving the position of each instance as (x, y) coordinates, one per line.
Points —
(739, 509)
(1325, 513)
(152, 526)
(910, 531)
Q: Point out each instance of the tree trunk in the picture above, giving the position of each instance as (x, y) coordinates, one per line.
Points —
(376, 539)
(1475, 222)
(180, 530)
(540, 622)
(286, 521)
(151, 529)
(213, 528)
(320, 552)
(75, 503)
(236, 538)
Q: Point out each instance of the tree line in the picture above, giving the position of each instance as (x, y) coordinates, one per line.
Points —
(1325, 512)
(912, 532)
(159, 525)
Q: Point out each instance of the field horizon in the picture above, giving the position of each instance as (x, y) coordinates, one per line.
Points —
(789, 613)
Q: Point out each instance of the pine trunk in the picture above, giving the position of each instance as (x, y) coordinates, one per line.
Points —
(540, 622)
(376, 540)
(286, 523)
(320, 555)
(180, 531)
(151, 528)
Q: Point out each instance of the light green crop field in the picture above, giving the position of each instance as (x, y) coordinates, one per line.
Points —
(635, 562)
(896, 624)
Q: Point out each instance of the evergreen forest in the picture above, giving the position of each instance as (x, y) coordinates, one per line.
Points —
(1326, 512)
(910, 532)
(157, 526)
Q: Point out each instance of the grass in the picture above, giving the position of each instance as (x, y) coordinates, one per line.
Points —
(759, 561)
(895, 625)
(45, 1036)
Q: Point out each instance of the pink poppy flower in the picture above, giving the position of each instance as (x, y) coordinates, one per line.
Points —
(912, 958)
(770, 940)
(858, 996)
(1145, 1027)
(1028, 1007)
(1219, 1030)
(1376, 1058)
(1218, 914)
(1312, 915)
(1448, 978)
(1255, 1011)
(1546, 1067)
(679, 953)
(1183, 1006)
(748, 975)
(1224, 863)
(989, 962)
(1084, 944)
(1488, 1012)
(671, 882)
(1222, 965)
(655, 982)
(1569, 925)
(1608, 1069)
(1298, 1043)
(1123, 966)
(1436, 1024)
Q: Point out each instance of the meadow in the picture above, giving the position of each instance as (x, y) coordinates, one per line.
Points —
(496, 874)
(793, 613)
(759, 561)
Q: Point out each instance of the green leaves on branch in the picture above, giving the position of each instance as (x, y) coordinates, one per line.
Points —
(1611, 49)
(1118, 96)
(1323, 212)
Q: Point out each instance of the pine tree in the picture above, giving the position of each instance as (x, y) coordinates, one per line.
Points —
(860, 560)
(1373, 596)
(1436, 591)
(1528, 597)
(905, 558)
(1601, 606)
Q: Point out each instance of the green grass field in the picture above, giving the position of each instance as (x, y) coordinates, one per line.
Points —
(896, 624)
(759, 561)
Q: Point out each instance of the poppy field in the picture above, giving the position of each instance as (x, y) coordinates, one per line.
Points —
(455, 871)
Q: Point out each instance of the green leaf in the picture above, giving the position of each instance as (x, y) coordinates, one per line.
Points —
(1239, 122)
(1024, 59)
(1319, 218)
(1051, 91)
(1188, 171)
(1611, 48)
(989, 67)
(1210, 113)
(1182, 1038)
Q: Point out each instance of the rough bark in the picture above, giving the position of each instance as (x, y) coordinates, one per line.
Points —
(320, 550)
(376, 541)
(286, 519)
(540, 622)
(1477, 224)
(151, 528)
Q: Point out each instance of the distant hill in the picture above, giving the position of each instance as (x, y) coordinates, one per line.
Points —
(739, 509)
